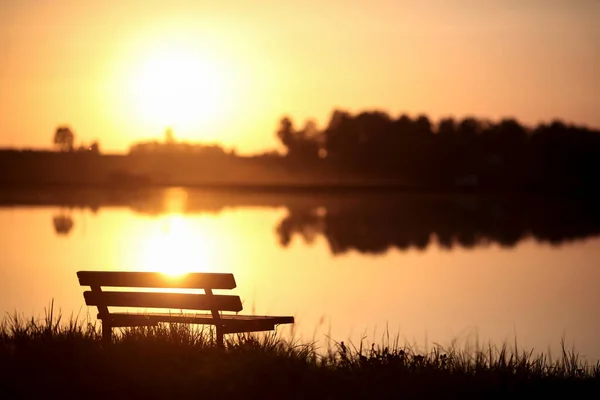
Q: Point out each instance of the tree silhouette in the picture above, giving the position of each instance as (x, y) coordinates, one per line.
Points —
(301, 144)
(169, 136)
(494, 155)
(285, 133)
(64, 138)
(95, 147)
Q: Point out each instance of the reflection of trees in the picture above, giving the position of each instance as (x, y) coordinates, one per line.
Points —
(369, 222)
(63, 223)
(308, 224)
(374, 226)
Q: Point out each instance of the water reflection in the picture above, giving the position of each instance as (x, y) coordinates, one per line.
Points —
(63, 223)
(536, 292)
(367, 223)
(376, 225)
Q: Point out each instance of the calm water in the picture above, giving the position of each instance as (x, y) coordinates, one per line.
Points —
(430, 269)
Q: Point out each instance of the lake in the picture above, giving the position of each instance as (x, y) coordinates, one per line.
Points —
(424, 268)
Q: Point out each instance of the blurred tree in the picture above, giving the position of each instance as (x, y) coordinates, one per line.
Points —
(336, 135)
(64, 138)
(95, 147)
(468, 129)
(310, 131)
(285, 133)
(446, 129)
(422, 127)
(169, 136)
(63, 224)
(304, 143)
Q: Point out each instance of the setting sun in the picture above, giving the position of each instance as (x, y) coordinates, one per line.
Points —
(179, 88)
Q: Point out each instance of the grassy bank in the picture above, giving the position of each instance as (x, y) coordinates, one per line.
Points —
(54, 357)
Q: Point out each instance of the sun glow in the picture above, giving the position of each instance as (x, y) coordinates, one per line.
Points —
(180, 88)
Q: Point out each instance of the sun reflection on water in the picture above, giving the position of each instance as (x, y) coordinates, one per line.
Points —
(175, 248)
(175, 200)
(172, 246)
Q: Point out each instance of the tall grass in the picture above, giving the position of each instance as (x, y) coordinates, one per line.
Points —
(52, 357)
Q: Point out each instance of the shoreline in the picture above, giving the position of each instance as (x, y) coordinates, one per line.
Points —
(308, 188)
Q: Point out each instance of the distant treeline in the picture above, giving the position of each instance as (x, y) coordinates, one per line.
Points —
(171, 145)
(467, 152)
(357, 149)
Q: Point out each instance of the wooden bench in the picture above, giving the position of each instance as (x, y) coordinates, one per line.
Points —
(215, 303)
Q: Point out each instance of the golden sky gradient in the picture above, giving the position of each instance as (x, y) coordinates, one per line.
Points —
(226, 71)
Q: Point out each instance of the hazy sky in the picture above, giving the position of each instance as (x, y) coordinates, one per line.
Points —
(122, 71)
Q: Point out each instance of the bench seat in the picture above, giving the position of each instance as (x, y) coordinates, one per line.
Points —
(228, 323)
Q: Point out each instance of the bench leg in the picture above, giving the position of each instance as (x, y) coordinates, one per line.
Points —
(220, 343)
(106, 332)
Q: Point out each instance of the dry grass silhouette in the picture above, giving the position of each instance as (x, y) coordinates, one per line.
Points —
(50, 355)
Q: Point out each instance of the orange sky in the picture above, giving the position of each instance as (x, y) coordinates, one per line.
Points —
(119, 71)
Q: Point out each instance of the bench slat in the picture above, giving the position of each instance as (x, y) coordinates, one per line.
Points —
(232, 323)
(179, 301)
(157, 280)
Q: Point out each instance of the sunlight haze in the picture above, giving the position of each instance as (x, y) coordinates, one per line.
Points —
(226, 72)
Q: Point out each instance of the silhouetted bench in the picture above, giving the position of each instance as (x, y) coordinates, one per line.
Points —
(215, 303)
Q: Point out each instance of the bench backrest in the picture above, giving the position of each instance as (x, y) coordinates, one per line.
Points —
(181, 301)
